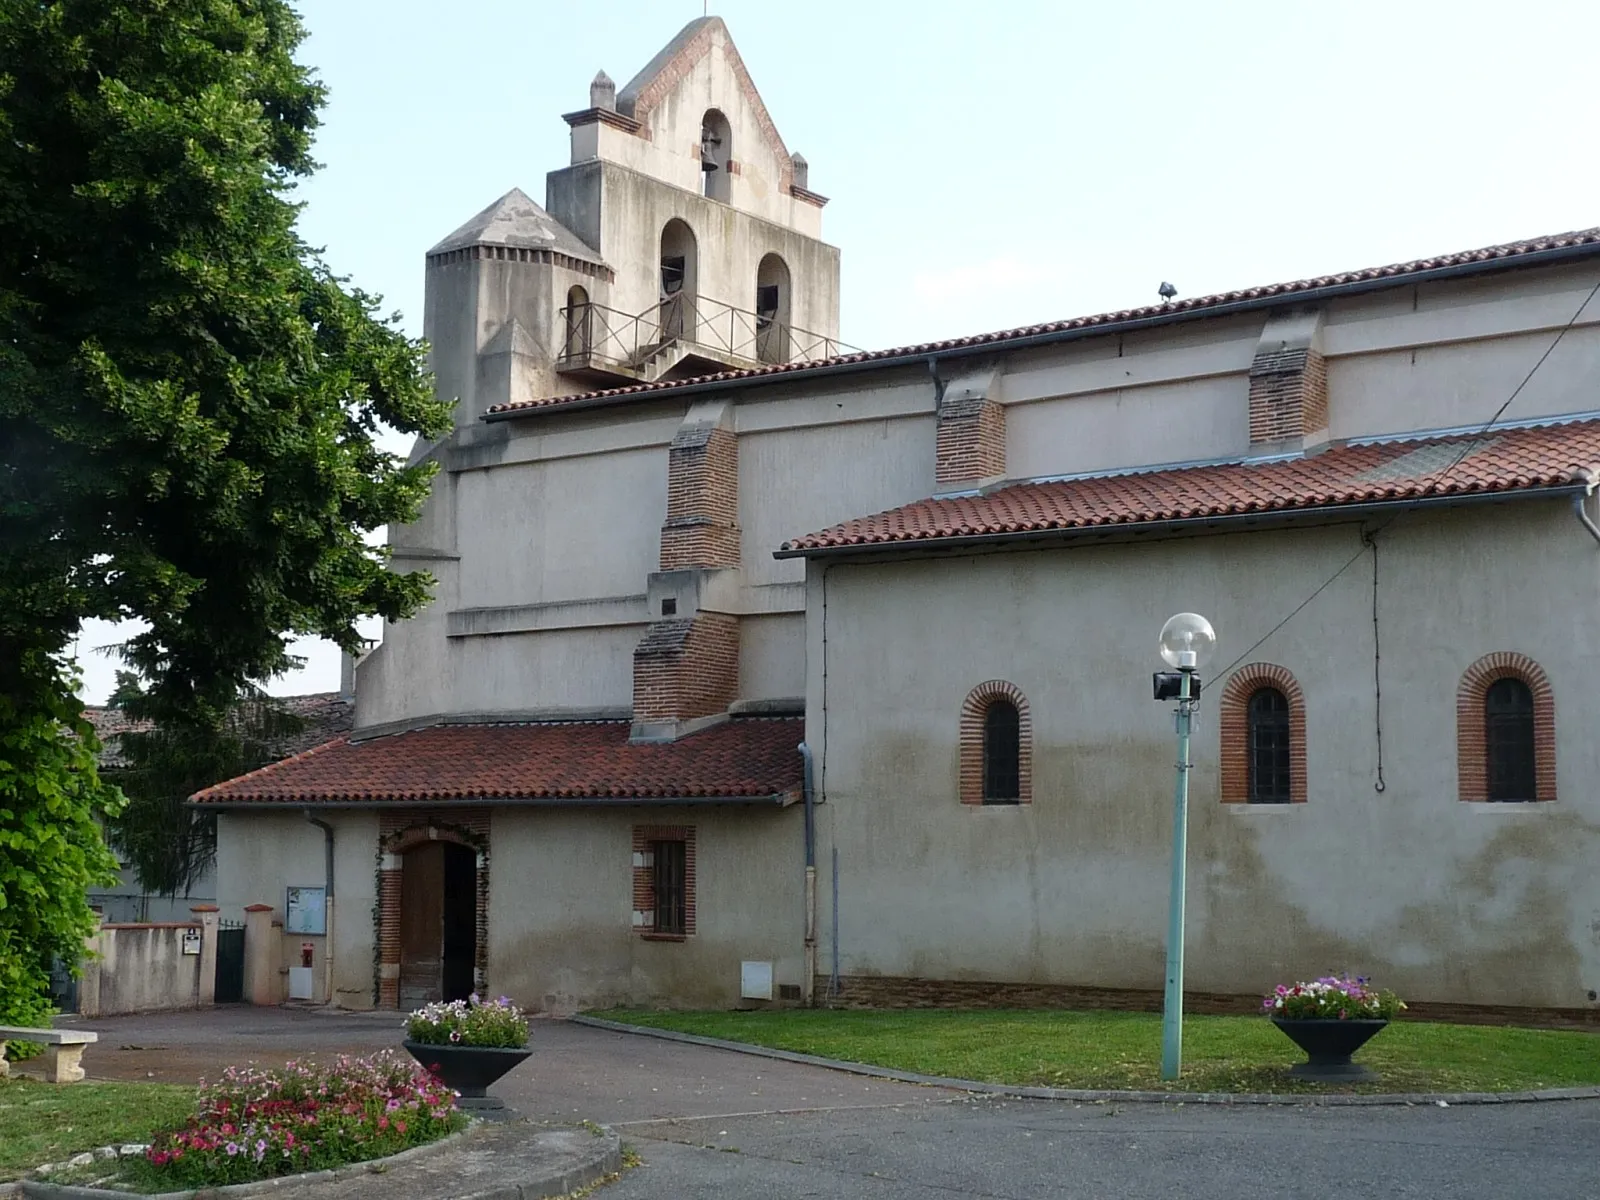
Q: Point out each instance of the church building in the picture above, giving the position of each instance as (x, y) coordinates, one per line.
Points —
(762, 670)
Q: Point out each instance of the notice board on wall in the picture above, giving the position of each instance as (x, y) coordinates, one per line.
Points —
(306, 911)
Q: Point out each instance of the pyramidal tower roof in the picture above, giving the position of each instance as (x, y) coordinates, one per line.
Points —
(515, 220)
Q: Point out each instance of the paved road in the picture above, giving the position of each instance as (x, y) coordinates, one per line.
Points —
(1032, 1150)
(710, 1123)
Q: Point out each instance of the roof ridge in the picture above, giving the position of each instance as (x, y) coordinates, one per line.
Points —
(1195, 306)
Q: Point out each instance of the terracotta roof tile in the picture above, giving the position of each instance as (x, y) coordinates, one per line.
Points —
(1504, 460)
(1489, 257)
(574, 760)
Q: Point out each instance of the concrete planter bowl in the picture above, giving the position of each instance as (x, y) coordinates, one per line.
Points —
(1328, 1045)
(468, 1069)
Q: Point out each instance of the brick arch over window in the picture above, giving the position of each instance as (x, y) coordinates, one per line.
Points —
(399, 831)
(974, 710)
(1472, 750)
(1235, 723)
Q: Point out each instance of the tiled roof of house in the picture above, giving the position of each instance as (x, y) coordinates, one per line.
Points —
(744, 758)
(1528, 458)
(326, 716)
(1488, 258)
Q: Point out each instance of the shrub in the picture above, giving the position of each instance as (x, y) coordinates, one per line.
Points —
(255, 1124)
(469, 1022)
(1333, 997)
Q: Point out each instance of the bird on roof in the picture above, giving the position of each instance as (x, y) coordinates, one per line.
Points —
(1167, 292)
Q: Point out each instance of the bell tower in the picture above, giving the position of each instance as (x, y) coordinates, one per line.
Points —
(681, 182)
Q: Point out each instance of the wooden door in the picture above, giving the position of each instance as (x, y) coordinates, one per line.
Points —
(422, 925)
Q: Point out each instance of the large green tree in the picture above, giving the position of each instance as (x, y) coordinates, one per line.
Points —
(188, 404)
(169, 845)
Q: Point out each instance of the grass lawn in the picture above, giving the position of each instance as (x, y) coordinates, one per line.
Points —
(1123, 1050)
(48, 1122)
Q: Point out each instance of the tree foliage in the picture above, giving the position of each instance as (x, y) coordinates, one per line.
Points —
(188, 395)
(169, 845)
(50, 845)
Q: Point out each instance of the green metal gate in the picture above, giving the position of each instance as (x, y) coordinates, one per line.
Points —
(230, 962)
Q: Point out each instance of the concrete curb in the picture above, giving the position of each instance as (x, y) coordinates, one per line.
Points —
(1099, 1095)
(46, 1190)
(606, 1160)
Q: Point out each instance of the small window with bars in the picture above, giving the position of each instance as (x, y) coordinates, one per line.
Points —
(1268, 716)
(670, 887)
(1508, 740)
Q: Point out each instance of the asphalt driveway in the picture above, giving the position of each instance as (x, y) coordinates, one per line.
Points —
(712, 1123)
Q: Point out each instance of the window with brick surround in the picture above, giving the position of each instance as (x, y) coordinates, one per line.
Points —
(1505, 731)
(667, 886)
(996, 745)
(1263, 725)
(1267, 715)
(664, 881)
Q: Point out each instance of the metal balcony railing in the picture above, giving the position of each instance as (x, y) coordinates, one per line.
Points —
(649, 342)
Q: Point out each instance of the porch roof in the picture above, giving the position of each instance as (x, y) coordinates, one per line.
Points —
(1527, 460)
(743, 760)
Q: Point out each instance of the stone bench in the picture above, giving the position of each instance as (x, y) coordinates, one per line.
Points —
(63, 1049)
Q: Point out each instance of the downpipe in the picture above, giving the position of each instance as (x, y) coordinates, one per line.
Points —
(808, 984)
(327, 905)
(1582, 513)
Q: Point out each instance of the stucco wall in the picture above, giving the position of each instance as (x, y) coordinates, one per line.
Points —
(140, 968)
(260, 855)
(1445, 901)
(810, 474)
(560, 932)
(561, 901)
(544, 531)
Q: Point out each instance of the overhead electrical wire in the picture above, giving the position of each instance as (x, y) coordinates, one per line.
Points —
(1369, 538)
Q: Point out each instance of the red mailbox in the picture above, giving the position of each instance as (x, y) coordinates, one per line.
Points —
(305, 953)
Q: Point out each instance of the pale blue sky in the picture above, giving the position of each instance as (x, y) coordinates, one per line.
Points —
(996, 164)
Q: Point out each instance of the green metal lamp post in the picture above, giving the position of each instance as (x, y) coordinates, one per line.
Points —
(1187, 641)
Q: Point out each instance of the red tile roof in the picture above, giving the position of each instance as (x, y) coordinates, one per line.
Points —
(1489, 258)
(1522, 459)
(747, 757)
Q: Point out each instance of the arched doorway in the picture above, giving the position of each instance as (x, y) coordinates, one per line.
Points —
(716, 154)
(772, 310)
(579, 338)
(679, 271)
(438, 923)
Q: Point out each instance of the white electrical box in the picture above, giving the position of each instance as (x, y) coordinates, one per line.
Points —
(755, 980)
(300, 983)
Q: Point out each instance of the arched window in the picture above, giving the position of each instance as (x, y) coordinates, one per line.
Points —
(1505, 731)
(679, 279)
(1002, 753)
(1263, 723)
(772, 309)
(716, 155)
(1508, 740)
(1267, 715)
(996, 745)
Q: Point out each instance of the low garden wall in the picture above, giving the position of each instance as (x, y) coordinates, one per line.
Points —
(149, 968)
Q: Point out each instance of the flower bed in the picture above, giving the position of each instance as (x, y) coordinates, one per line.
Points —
(469, 1022)
(1332, 998)
(255, 1123)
